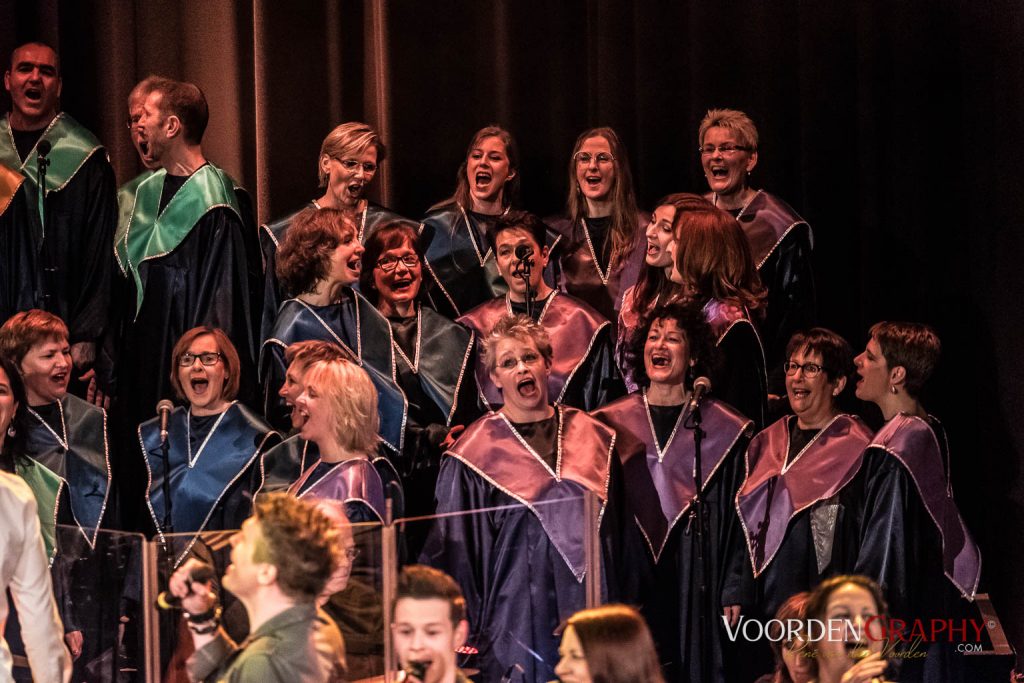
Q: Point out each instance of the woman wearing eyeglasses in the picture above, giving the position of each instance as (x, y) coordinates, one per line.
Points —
(798, 505)
(432, 359)
(602, 246)
(320, 260)
(458, 254)
(350, 156)
(212, 445)
(780, 240)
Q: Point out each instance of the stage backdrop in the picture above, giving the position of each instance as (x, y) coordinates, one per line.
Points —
(894, 128)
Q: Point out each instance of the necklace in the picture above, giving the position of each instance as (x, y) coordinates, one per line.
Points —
(202, 446)
(63, 427)
(414, 364)
(593, 254)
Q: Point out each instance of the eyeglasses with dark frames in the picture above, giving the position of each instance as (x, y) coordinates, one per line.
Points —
(207, 358)
(811, 370)
(389, 263)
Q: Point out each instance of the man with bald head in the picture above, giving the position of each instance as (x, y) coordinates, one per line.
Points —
(68, 235)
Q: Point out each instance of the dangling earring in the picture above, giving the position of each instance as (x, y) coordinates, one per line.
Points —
(12, 432)
(892, 388)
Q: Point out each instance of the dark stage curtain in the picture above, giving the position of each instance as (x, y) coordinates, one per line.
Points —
(894, 128)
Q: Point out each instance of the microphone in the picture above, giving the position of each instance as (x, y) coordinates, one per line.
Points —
(701, 386)
(201, 574)
(43, 148)
(523, 252)
(163, 409)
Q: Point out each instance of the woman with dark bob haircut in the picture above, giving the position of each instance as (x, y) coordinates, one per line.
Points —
(852, 645)
(608, 644)
(319, 262)
(213, 443)
(799, 511)
(433, 360)
(915, 542)
(712, 263)
(654, 428)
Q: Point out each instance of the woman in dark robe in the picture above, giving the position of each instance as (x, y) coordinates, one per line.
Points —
(654, 429)
(711, 260)
(914, 541)
(433, 360)
(512, 525)
(601, 245)
(214, 492)
(653, 285)
(319, 261)
(458, 254)
(801, 503)
(780, 240)
(63, 441)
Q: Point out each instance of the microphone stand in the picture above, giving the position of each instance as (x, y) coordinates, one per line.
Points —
(699, 514)
(42, 163)
(525, 269)
(165, 486)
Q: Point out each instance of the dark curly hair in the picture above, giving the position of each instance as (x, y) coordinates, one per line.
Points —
(300, 541)
(304, 258)
(699, 340)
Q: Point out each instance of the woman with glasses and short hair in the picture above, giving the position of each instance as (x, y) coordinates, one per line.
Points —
(799, 504)
(350, 157)
(780, 240)
(432, 360)
(601, 236)
(212, 443)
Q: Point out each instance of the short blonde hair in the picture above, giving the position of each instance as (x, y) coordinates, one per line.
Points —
(519, 327)
(353, 401)
(349, 139)
(731, 119)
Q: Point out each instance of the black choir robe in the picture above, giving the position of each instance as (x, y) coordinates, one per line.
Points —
(365, 336)
(914, 541)
(520, 561)
(801, 520)
(435, 372)
(71, 256)
(663, 574)
(581, 274)
(583, 370)
(272, 234)
(781, 243)
(739, 378)
(214, 491)
(185, 265)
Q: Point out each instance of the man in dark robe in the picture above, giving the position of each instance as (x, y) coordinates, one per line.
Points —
(583, 372)
(72, 219)
(185, 252)
(528, 469)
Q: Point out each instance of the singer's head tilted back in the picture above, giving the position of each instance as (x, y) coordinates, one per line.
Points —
(33, 81)
(429, 624)
(519, 237)
(518, 353)
(669, 351)
(36, 342)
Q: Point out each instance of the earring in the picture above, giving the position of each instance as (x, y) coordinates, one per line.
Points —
(892, 388)
(11, 431)
(835, 392)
